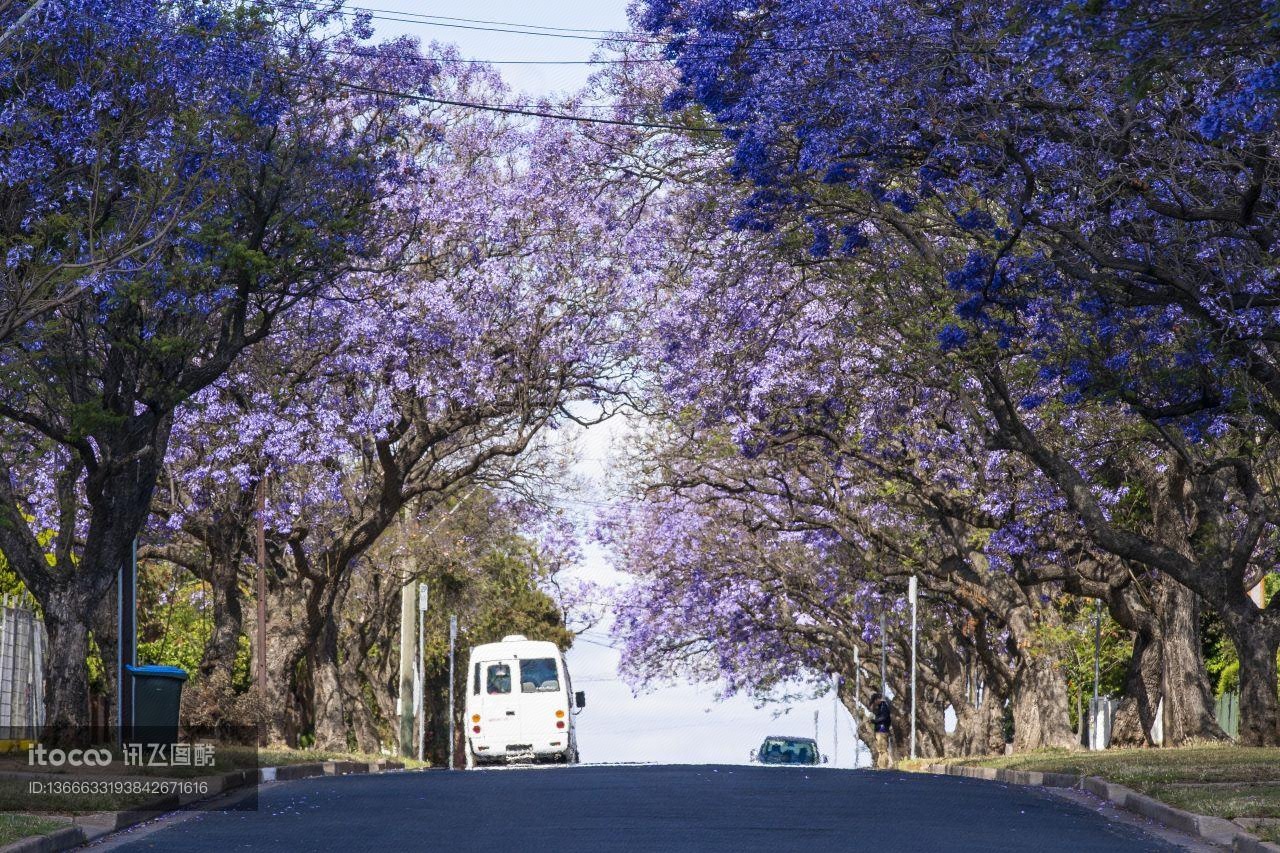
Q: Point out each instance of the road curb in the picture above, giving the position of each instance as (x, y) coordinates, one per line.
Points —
(1214, 830)
(88, 828)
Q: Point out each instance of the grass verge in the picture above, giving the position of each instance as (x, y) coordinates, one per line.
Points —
(1219, 780)
(15, 827)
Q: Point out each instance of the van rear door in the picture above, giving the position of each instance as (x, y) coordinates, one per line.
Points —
(543, 693)
(500, 704)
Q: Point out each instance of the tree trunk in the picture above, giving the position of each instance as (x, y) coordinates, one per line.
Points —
(1188, 699)
(979, 730)
(1040, 706)
(931, 739)
(1256, 635)
(330, 705)
(66, 676)
(281, 698)
(106, 638)
(1040, 715)
(228, 621)
(359, 678)
(366, 730)
(1137, 712)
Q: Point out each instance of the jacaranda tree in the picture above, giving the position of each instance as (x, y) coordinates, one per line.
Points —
(1094, 194)
(210, 131)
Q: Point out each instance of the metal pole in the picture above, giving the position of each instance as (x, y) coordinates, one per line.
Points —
(912, 594)
(453, 636)
(261, 667)
(857, 698)
(421, 711)
(835, 723)
(1097, 653)
(126, 640)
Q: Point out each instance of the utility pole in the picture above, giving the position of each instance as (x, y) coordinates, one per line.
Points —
(453, 638)
(260, 675)
(815, 726)
(913, 595)
(407, 660)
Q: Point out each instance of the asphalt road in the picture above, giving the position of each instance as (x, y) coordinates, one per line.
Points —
(669, 809)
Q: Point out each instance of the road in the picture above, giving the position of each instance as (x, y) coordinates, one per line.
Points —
(670, 809)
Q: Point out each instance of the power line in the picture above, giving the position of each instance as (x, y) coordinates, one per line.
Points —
(425, 17)
(597, 643)
(371, 52)
(503, 108)
(473, 24)
(509, 110)
(856, 49)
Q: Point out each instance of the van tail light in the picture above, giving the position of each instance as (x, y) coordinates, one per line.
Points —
(475, 729)
(559, 724)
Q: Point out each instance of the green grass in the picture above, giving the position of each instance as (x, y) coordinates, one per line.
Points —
(1268, 833)
(1230, 802)
(1219, 780)
(275, 756)
(15, 797)
(14, 827)
(1144, 769)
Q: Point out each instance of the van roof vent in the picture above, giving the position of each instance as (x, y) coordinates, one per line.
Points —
(514, 638)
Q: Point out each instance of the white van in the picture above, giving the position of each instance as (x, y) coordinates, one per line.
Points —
(520, 704)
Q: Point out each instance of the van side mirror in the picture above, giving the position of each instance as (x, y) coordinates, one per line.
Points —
(580, 699)
(825, 759)
(751, 756)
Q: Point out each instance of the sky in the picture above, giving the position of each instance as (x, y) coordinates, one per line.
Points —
(478, 40)
(681, 723)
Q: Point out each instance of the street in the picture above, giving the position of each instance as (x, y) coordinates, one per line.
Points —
(639, 808)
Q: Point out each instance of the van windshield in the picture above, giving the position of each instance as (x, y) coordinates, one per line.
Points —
(498, 678)
(538, 675)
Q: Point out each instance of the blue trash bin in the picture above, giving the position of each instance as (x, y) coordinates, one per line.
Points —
(157, 696)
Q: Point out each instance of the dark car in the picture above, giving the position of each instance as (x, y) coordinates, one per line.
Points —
(788, 750)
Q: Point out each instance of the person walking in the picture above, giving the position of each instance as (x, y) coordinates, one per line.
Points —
(880, 722)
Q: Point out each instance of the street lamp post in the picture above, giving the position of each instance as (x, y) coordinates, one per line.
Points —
(407, 672)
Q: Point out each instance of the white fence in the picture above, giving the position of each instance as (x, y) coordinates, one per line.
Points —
(22, 653)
